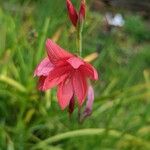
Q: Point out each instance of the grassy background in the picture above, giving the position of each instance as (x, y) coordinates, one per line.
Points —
(33, 120)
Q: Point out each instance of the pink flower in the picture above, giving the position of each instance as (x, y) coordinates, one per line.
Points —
(67, 71)
(73, 15)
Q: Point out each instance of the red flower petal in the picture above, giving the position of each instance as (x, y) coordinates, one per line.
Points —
(72, 13)
(80, 86)
(55, 52)
(56, 76)
(75, 62)
(43, 68)
(48, 84)
(89, 71)
(65, 93)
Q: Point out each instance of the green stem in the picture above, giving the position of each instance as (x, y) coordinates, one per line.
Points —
(89, 132)
(79, 43)
(79, 38)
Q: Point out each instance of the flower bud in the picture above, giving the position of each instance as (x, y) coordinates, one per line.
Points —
(88, 109)
(72, 13)
(82, 10)
(71, 105)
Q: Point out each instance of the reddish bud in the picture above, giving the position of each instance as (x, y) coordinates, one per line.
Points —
(72, 13)
(71, 105)
(82, 10)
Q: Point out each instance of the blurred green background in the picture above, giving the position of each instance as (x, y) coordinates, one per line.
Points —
(32, 120)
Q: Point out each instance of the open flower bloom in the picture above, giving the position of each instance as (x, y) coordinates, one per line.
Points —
(67, 71)
(75, 16)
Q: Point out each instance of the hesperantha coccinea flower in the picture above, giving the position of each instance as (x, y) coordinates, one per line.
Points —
(70, 73)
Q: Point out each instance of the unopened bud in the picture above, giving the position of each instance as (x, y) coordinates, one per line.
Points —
(72, 13)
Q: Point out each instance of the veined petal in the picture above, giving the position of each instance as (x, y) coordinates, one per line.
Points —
(75, 62)
(65, 93)
(59, 71)
(43, 68)
(55, 52)
(48, 84)
(89, 71)
(56, 76)
(72, 13)
(79, 86)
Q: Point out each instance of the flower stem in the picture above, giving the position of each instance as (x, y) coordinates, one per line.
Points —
(79, 38)
(79, 43)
